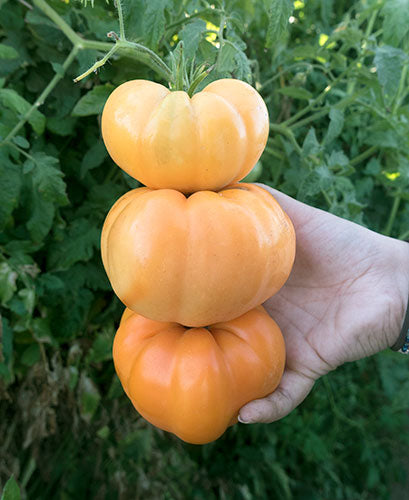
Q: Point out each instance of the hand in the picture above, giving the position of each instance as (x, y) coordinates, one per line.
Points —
(345, 299)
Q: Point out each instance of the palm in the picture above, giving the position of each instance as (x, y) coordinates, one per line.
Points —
(329, 308)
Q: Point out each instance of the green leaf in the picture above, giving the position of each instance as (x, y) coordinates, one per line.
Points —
(89, 397)
(8, 278)
(78, 244)
(61, 127)
(6, 337)
(309, 186)
(278, 13)
(27, 297)
(296, 92)
(11, 490)
(338, 159)
(42, 331)
(41, 219)
(8, 52)
(225, 60)
(93, 158)
(12, 100)
(93, 102)
(191, 35)
(243, 68)
(154, 22)
(48, 179)
(396, 21)
(10, 185)
(101, 349)
(22, 142)
(58, 68)
(31, 355)
(389, 64)
(335, 126)
(311, 145)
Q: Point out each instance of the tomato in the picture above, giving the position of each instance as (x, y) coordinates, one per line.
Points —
(192, 382)
(199, 259)
(166, 139)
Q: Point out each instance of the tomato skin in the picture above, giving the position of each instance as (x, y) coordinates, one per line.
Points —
(192, 382)
(200, 259)
(166, 139)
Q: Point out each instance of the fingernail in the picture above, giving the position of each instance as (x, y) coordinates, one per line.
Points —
(243, 420)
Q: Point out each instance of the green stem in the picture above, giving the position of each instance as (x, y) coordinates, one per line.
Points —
(147, 56)
(392, 215)
(192, 16)
(402, 88)
(327, 198)
(371, 23)
(121, 20)
(274, 153)
(319, 67)
(317, 100)
(21, 151)
(352, 83)
(285, 131)
(126, 48)
(59, 21)
(98, 64)
(405, 235)
(315, 116)
(44, 94)
(363, 156)
(221, 41)
(198, 80)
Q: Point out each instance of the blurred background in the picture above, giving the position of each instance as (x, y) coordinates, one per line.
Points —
(334, 75)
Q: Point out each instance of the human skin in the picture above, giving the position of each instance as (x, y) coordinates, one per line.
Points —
(345, 299)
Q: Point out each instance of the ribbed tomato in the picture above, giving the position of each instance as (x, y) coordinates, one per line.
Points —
(200, 259)
(192, 382)
(168, 140)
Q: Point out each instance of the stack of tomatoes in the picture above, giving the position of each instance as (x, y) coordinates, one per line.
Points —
(194, 254)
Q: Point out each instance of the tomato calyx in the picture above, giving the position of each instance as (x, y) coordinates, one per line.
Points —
(181, 79)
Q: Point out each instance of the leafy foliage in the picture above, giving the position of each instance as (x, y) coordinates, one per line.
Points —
(335, 80)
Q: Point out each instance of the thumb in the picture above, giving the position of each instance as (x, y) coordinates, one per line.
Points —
(293, 389)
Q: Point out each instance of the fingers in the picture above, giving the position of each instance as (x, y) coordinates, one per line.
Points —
(293, 389)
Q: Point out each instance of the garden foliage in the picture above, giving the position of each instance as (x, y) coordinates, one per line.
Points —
(335, 80)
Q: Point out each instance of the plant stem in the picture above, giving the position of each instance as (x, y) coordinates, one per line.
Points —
(129, 49)
(21, 151)
(98, 64)
(392, 215)
(317, 100)
(401, 89)
(311, 118)
(274, 153)
(369, 152)
(283, 130)
(221, 41)
(192, 16)
(59, 21)
(327, 198)
(44, 94)
(121, 20)
(404, 236)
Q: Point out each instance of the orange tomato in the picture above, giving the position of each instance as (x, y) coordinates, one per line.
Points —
(168, 140)
(200, 259)
(192, 382)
